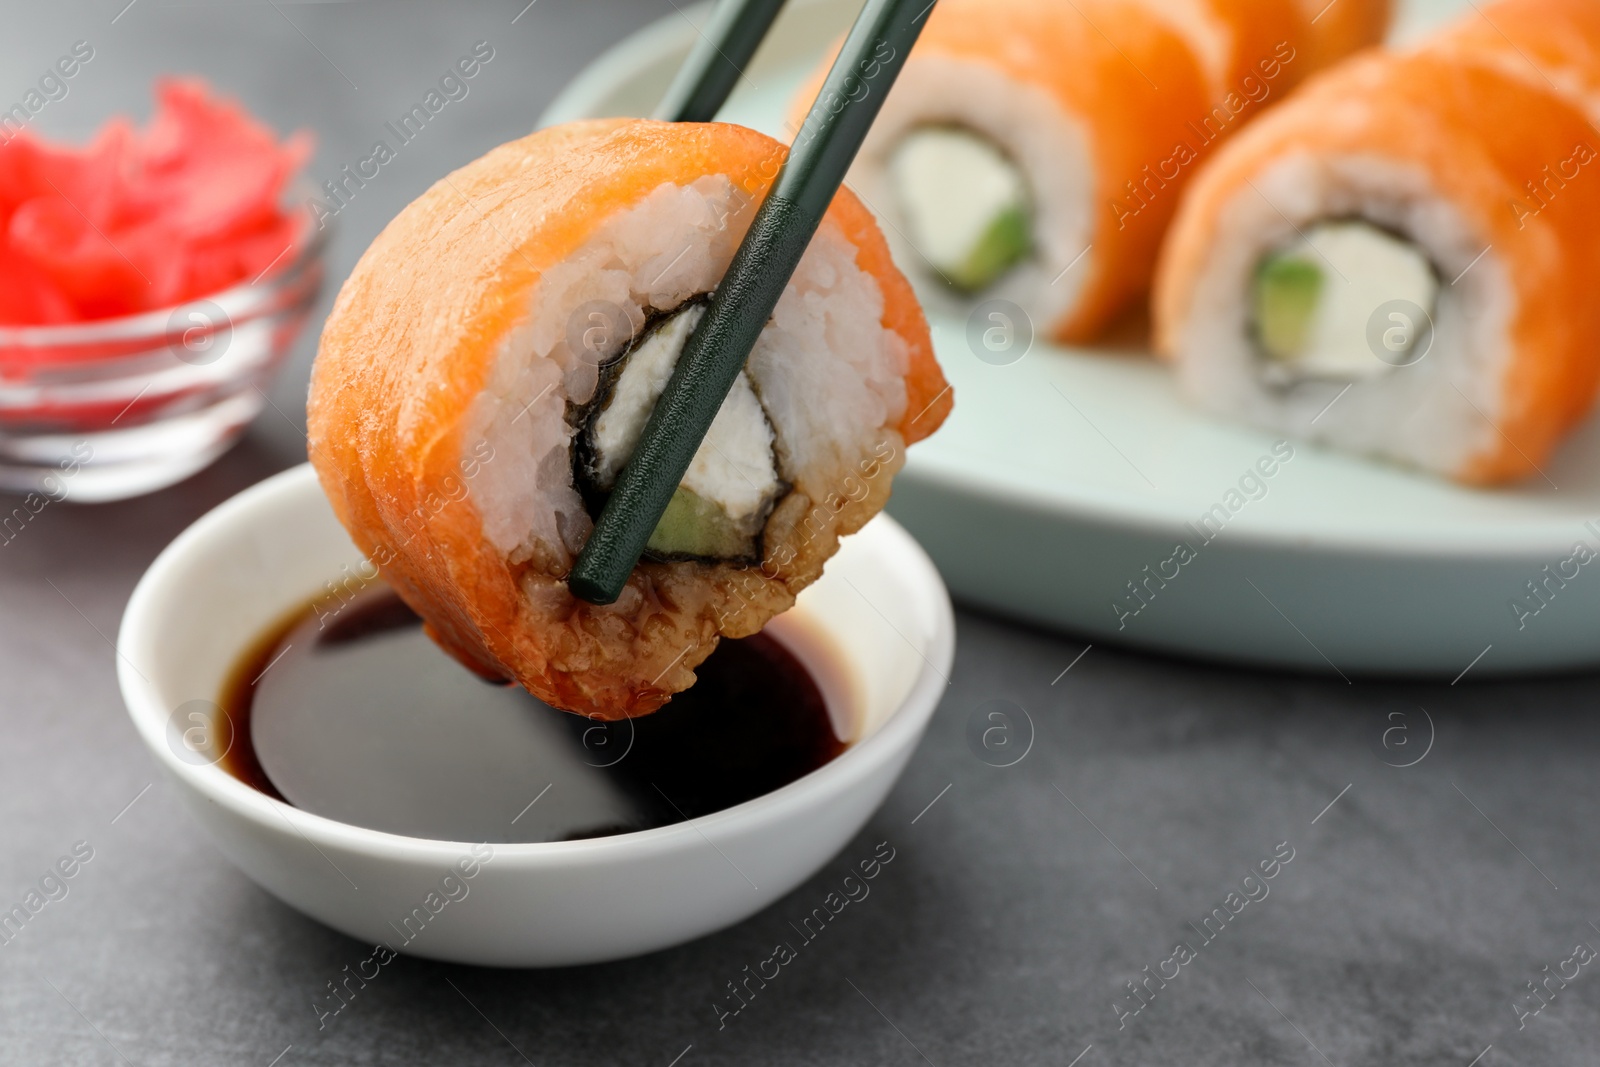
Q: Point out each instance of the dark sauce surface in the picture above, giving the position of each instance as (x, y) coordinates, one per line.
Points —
(353, 713)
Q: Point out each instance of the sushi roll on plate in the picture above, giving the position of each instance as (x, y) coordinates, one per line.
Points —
(1398, 261)
(488, 367)
(1035, 151)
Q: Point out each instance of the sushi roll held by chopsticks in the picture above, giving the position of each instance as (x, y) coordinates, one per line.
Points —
(1400, 260)
(615, 390)
(487, 368)
(1035, 150)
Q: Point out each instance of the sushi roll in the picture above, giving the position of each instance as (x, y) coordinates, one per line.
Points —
(1398, 260)
(1035, 151)
(488, 366)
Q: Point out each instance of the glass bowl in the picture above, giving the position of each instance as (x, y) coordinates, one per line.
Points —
(118, 407)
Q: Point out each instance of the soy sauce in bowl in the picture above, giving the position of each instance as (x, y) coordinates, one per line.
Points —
(355, 714)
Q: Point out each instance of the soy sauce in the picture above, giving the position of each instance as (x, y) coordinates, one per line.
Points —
(359, 716)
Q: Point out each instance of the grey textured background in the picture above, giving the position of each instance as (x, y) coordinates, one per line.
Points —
(1008, 923)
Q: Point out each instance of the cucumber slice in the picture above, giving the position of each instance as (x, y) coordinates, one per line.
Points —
(1319, 303)
(1005, 243)
(694, 526)
(1287, 291)
(964, 203)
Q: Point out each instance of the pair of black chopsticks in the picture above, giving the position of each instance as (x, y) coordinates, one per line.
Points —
(741, 305)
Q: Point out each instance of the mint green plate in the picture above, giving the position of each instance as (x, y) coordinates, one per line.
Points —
(1062, 477)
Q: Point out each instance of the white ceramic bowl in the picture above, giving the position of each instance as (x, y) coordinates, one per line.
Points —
(257, 556)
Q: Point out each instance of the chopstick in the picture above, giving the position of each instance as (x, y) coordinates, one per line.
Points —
(714, 66)
(741, 305)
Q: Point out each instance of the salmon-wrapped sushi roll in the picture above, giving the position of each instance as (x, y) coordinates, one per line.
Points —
(1399, 260)
(489, 364)
(1035, 150)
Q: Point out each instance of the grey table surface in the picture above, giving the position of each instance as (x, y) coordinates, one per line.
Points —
(1420, 902)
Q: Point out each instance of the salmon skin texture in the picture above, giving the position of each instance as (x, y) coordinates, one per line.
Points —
(410, 352)
(1344, 27)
